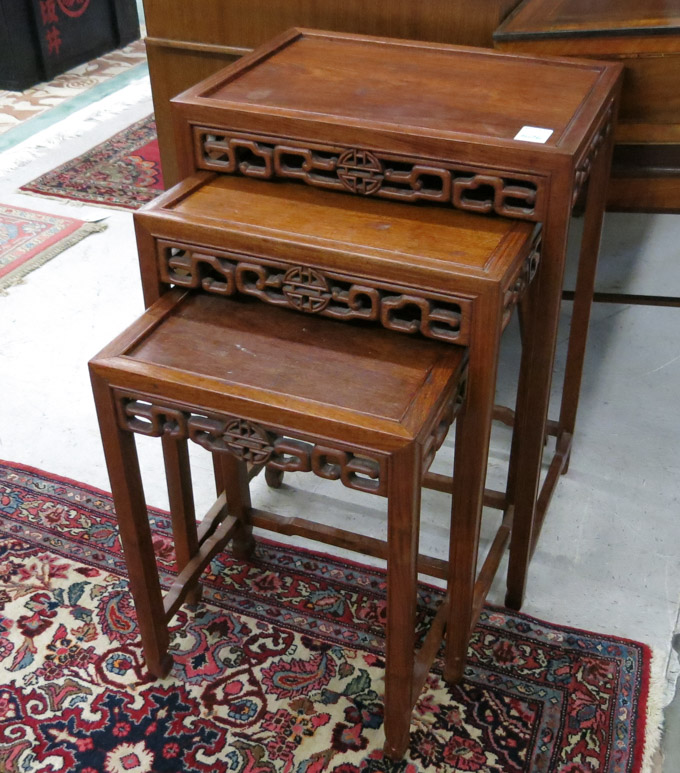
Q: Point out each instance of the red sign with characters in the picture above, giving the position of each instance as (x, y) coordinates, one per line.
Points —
(74, 8)
(72, 30)
(46, 37)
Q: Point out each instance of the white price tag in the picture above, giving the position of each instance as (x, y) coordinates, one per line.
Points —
(533, 134)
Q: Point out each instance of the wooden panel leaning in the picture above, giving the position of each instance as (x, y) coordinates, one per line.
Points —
(426, 123)
(259, 385)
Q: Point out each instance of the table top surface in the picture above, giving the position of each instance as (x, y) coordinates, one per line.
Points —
(546, 18)
(236, 347)
(409, 87)
(365, 228)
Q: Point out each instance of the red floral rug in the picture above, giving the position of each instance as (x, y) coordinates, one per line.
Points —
(124, 171)
(28, 239)
(278, 670)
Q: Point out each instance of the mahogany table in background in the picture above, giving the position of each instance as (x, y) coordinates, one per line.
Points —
(429, 124)
(644, 35)
(188, 40)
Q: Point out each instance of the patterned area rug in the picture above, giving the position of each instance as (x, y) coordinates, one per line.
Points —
(124, 171)
(278, 670)
(19, 106)
(28, 239)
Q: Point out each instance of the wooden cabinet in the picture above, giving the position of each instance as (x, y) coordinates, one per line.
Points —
(645, 37)
(189, 40)
(42, 38)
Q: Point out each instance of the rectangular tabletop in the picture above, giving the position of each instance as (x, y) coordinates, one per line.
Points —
(404, 95)
(409, 267)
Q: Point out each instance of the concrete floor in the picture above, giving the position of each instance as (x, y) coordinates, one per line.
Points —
(608, 558)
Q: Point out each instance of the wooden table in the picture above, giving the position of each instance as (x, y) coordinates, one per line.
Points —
(440, 125)
(188, 40)
(254, 385)
(424, 272)
(645, 37)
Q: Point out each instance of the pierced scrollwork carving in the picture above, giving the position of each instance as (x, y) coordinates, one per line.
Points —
(315, 292)
(250, 442)
(370, 173)
(411, 314)
(585, 166)
(245, 440)
(442, 425)
(519, 284)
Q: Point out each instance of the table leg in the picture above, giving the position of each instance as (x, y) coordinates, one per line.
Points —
(135, 533)
(233, 474)
(473, 432)
(403, 521)
(218, 473)
(182, 511)
(585, 287)
(533, 393)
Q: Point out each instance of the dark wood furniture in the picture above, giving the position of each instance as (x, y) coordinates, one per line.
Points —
(430, 124)
(645, 37)
(42, 38)
(259, 385)
(191, 39)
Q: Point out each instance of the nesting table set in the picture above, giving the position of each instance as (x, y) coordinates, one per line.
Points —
(326, 291)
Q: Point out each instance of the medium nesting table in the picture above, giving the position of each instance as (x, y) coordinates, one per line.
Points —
(427, 272)
(438, 127)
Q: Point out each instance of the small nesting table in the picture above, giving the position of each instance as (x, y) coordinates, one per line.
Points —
(429, 124)
(260, 385)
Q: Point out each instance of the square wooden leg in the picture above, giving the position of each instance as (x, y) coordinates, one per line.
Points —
(135, 533)
(473, 431)
(182, 511)
(403, 521)
(233, 474)
(533, 394)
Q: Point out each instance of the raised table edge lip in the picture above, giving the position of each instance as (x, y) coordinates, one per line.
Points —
(609, 73)
(159, 211)
(116, 357)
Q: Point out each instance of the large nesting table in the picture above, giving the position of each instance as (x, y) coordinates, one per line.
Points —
(435, 125)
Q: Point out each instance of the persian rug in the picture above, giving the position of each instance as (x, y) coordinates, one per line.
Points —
(18, 106)
(28, 239)
(124, 171)
(278, 669)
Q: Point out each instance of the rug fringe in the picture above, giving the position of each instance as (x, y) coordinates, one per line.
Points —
(80, 204)
(652, 761)
(17, 276)
(76, 126)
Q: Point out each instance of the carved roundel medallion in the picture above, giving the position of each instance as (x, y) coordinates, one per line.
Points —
(360, 171)
(306, 289)
(247, 441)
